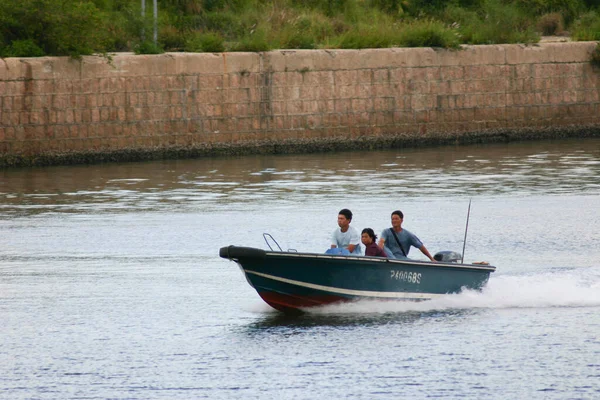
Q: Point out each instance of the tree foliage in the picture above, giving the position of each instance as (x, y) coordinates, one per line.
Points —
(71, 28)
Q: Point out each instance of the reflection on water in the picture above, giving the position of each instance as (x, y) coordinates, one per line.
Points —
(277, 321)
(349, 315)
(553, 167)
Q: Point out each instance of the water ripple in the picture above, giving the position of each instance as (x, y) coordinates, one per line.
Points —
(518, 169)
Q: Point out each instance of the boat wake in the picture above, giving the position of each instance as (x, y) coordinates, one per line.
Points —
(562, 289)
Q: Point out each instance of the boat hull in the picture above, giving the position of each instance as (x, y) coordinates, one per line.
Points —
(290, 281)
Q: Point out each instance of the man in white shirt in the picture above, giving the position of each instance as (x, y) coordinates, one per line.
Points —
(346, 237)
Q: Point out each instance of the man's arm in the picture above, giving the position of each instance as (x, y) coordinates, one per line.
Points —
(354, 240)
(426, 252)
(381, 243)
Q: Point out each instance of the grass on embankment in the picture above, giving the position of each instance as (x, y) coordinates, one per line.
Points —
(75, 28)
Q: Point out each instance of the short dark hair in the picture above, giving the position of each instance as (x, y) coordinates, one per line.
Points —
(370, 232)
(346, 213)
(398, 213)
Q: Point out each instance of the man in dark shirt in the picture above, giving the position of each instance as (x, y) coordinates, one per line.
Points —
(398, 240)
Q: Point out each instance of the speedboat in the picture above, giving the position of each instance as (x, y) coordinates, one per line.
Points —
(292, 281)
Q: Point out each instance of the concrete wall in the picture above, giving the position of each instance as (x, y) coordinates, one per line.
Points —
(55, 110)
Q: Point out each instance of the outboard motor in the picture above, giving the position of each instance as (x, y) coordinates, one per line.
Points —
(448, 256)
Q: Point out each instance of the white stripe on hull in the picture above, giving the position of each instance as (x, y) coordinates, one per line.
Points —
(350, 292)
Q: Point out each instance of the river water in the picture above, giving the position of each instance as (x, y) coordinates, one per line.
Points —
(111, 286)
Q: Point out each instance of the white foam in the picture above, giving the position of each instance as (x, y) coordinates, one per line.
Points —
(565, 289)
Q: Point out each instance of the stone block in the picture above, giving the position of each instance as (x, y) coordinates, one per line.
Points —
(458, 87)
(384, 76)
(318, 78)
(439, 87)
(295, 107)
(291, 60)
(416, 87)
(7, 103)
(403, 117)
(210, 82)
(365, 91)
(416, 74)
(472, 55)
(310, 107)
(423, 102)
(590, 96)
(549, 53)
(314, 121)
(136, 65)
(381, 104)
(345, 78)
(385, 90)
(342, 105)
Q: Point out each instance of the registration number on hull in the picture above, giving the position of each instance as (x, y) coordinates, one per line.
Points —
(406, 276)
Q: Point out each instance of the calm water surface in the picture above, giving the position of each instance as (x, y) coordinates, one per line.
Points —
(111, 286)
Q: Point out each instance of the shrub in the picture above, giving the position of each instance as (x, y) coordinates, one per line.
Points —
(147, 47)
(22, 48)
(367, 37)
(596, 56)
(72, 28)
(429, 33)
(389, 6)
(234, 26)
(234, 5)
(587, 27)
(550, 24)
(328, 7)
(78, 30)
(171, 39)
(305, 31)
(459, 17)
(227, 23)
(569, 9)
(295, 39)
(256, 41)
(495, 22)
(355, 11)
(123, 26)
(209, 42)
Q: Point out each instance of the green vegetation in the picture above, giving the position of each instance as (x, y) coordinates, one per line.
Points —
(596, 56)
(551, 24)
(32, 28)
(52, 27)
(492, 22)
(587, 27)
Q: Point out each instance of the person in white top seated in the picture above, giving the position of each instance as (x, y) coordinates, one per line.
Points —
(345, 239)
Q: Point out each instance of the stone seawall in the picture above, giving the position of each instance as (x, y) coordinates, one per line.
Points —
(60, 110)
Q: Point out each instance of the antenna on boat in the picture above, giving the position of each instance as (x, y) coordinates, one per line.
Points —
(462, 261)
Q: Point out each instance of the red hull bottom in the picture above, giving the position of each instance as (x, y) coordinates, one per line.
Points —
(294, 304)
